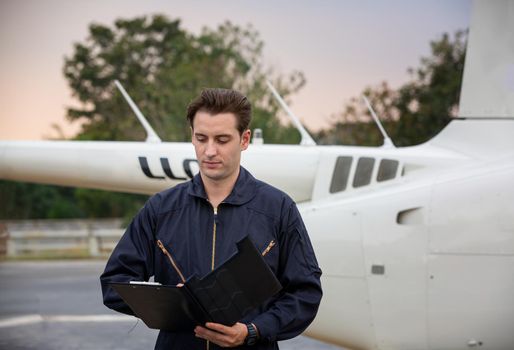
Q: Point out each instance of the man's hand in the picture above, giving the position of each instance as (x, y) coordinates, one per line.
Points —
(221, 335)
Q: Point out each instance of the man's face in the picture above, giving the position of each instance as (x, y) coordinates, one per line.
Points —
(218, 144)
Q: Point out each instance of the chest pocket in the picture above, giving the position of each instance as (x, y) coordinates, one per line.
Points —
(263, 232)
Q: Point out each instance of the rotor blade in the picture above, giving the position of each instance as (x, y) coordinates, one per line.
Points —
(151, 135)
(387, 140)
(307, 140)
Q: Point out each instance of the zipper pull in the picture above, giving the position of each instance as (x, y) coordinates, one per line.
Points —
(215, 210)
(268, 248)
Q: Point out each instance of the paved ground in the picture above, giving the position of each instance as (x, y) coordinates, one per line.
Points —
(51, 305)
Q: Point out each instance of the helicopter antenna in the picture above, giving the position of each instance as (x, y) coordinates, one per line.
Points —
(306, 140)
(387, 140)
(151, 135)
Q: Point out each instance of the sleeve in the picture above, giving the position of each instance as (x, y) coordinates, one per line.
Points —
(299, 274)
(132, 258)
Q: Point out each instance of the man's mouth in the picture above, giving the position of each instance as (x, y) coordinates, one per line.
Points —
(211, 164)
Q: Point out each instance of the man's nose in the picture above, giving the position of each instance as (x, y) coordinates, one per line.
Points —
(211, 150)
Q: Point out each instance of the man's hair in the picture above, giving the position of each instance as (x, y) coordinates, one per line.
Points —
(215, 101)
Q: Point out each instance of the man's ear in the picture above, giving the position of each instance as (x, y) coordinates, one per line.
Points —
(192, 133)
(245, 139)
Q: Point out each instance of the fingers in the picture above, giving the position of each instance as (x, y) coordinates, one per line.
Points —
(218, 327)
(213, 336)
(223, 335)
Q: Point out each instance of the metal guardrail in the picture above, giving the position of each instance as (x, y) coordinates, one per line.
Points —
(35, 237)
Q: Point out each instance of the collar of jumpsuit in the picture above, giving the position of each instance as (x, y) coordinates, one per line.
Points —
(244, 189)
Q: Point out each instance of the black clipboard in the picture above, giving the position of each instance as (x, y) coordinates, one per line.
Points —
(225, 295)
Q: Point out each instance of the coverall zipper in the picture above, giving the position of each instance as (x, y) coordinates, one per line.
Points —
(213, 246)
(214, 237)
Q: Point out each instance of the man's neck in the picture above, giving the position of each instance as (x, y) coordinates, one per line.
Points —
(217, 191)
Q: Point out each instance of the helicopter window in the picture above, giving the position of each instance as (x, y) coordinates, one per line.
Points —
(340, 175)
(363, 172)
(387, 169)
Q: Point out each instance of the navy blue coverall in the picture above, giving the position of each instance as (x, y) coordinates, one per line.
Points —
(200, 239)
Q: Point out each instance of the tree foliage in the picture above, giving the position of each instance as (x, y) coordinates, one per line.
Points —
(163, 67)
(416, 111)
(23, 200)
(34, 201)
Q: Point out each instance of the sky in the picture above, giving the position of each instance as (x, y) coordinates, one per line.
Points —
(340, 46)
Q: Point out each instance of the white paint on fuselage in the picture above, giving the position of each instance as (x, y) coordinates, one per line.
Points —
(448, 273)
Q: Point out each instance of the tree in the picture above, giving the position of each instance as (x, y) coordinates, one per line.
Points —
(163, 67)
(415, 112)
(35, 201)
(24, 200)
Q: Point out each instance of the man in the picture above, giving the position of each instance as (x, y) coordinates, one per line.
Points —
(199, 223)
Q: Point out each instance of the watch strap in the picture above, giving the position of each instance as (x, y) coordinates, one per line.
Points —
(252, 336)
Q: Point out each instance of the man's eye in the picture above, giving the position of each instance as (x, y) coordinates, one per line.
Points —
(200, 139)
(223, 140)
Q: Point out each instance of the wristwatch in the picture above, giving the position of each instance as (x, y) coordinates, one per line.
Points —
(252, 336)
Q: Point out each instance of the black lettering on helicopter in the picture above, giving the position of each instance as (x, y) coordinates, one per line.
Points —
(186, 164)
(166, 167)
